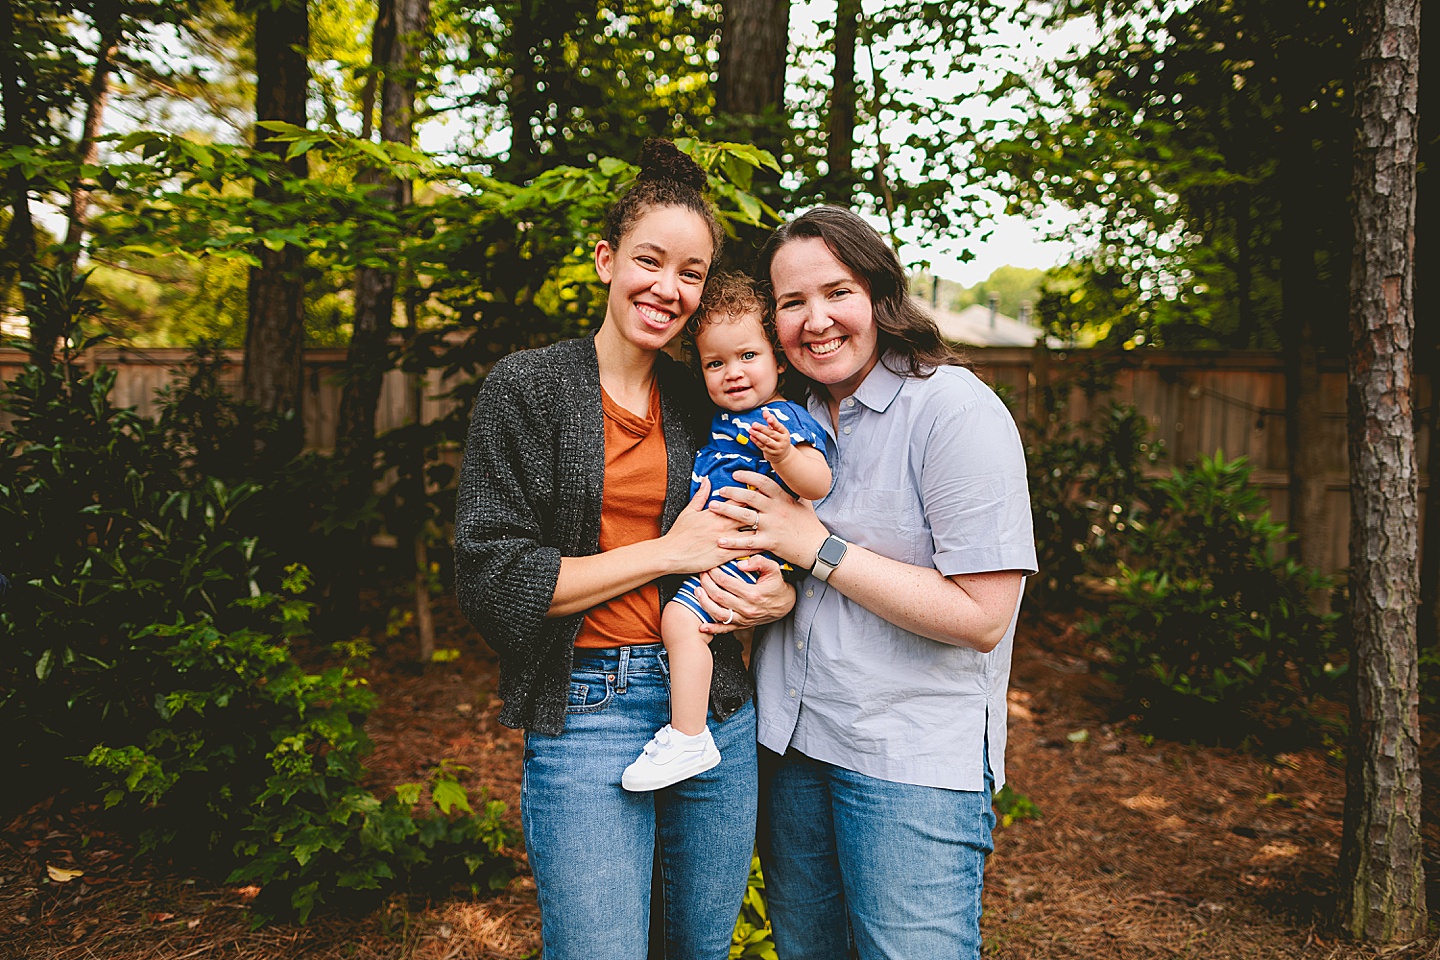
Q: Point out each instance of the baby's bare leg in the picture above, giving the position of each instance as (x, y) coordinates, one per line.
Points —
(690, 668)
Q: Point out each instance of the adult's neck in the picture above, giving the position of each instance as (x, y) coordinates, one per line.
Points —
(627, 372)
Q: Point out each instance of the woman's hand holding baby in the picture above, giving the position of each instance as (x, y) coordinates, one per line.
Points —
(695, 541)
(780, 524)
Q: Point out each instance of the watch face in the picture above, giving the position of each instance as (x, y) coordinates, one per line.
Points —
(831, 551)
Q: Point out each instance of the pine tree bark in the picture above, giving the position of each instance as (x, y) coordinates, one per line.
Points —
(754, 48)
(1427, 327)
(1381, 858)
(275, 326)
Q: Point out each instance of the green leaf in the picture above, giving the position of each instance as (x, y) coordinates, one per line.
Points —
(449, 795)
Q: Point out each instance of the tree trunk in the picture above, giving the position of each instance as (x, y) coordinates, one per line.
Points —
(750, 99)
(275, 327)
(98, 93)
(1427, 327)
(19, 253)
(396, 68)
(1382, 852)
(1301, 310)
(754, 48)
(523, 100)
(839, 182)
(400, 27)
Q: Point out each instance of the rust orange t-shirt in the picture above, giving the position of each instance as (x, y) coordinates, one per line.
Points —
(636, 472)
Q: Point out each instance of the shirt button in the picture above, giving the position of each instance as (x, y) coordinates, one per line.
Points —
(799, 644)
(849, 401)
(809, 591)
(792, 691)
(847, 429)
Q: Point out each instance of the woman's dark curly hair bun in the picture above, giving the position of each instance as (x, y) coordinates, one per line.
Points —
(662, 160)
(667, 178)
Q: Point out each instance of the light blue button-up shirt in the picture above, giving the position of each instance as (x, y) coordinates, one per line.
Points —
(931, 473)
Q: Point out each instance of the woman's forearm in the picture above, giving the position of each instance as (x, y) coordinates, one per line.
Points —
(585, 582)
(971, 610)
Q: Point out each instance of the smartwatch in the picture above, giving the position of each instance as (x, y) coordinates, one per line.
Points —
(828, 557)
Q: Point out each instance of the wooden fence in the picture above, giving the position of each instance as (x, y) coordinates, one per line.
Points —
(141, 373)
(1196, 402)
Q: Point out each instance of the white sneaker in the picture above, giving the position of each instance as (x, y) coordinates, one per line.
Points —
(670, 757)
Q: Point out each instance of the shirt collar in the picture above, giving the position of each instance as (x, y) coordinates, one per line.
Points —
(877, 391)
(881, 385)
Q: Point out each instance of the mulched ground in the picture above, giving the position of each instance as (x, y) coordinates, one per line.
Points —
(1142, 850)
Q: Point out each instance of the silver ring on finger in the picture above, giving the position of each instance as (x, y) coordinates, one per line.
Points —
(731, 618)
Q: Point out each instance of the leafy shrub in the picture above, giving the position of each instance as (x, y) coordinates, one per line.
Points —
(753, 939)
(1011, 805)
(1211, 631)
(101, 537)
(1087, 482)
(136, 637)
(259, 760)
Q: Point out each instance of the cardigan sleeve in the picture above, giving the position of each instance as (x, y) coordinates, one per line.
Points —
(505, 575)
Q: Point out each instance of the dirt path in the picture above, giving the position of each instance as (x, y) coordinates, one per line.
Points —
(1142, 850)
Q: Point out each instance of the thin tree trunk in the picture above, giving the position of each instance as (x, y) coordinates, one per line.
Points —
(1382, 852)
(98, 94)
(1300, 312)
(522, 100)
(275, 327)
(400, 31)
(424, 612)
(369, 355)
(840, 143)
(20, 234)
(382, 38)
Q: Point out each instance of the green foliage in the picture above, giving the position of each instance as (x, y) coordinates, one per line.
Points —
(1012, 805)
(753, 939)
(1212, 633)
(584, 79)
(1207, 147)
(103, 535)
(1012, 286)
(137, 638)
(1087, 487)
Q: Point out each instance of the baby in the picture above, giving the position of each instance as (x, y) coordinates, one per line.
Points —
(734, 340)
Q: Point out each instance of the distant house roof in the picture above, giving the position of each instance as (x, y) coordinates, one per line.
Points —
(979, 326)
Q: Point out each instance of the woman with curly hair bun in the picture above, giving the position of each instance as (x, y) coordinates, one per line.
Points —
(574, 523)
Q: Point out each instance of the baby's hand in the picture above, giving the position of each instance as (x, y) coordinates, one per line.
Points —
(772, 438)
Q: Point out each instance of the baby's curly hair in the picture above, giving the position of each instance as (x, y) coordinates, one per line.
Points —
(727, 297)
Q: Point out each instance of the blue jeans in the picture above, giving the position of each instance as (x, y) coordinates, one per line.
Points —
(867, 868)
(592, 843)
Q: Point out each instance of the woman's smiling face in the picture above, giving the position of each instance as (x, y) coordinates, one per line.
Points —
(656, 275)
(824, 315)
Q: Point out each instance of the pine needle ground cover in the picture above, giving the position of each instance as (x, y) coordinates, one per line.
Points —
(1142, 849)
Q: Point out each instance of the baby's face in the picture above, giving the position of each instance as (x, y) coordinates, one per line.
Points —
(740, 367)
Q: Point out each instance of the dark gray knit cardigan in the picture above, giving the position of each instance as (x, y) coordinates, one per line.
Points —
(530, 491)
